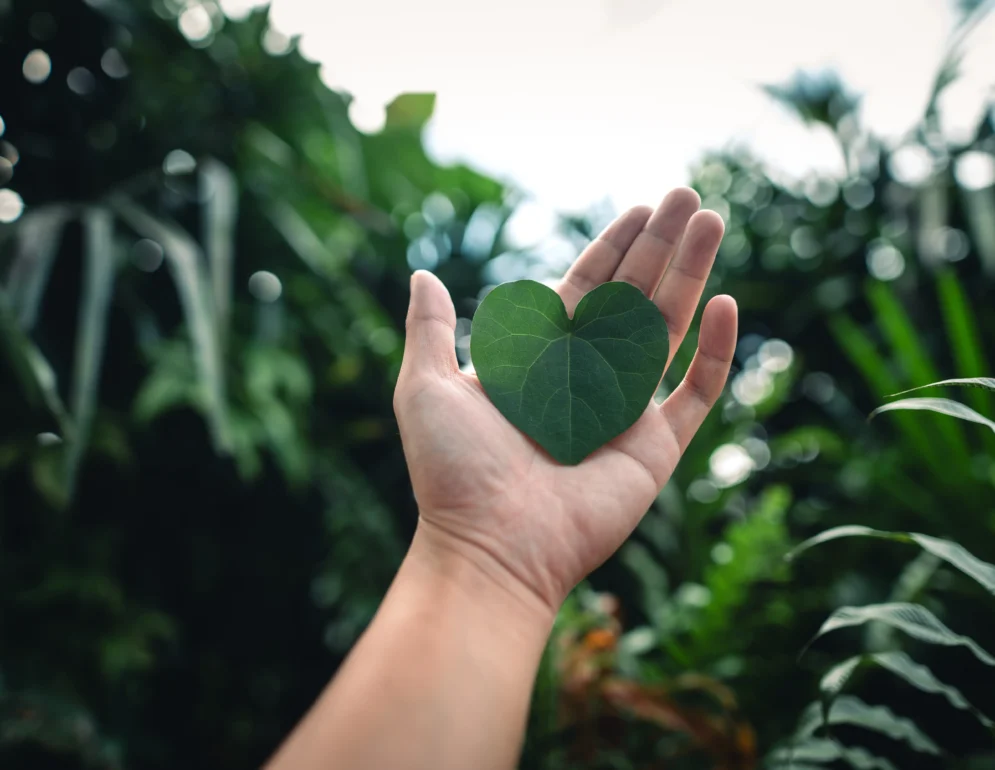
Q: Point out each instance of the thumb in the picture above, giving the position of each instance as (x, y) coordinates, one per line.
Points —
(430, 340)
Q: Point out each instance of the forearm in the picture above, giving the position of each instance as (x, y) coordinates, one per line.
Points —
(441, 679)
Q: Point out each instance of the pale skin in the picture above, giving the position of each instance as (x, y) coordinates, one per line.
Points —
(442, 677)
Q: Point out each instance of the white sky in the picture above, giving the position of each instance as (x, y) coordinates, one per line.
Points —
(590, 99)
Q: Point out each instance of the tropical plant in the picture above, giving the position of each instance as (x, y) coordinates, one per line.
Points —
(836, 710)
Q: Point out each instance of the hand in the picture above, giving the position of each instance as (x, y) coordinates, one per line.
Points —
(487, 494)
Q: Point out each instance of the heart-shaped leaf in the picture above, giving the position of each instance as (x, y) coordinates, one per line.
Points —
(572, 385)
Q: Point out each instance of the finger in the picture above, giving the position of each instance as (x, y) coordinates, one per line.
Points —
(687, 407)
(602, 256)
(646, 260)
(430, 338)
(682, 285)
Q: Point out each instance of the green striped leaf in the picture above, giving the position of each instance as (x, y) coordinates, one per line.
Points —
(906, 669)
(91, 333)
(220, 214)
(938, 405)
(850, 710)
(823, 750)
(39, 234)
(32, 370)
(193, 286)
(952, 553)
(912, 619)
(920, 677)
(988, 383)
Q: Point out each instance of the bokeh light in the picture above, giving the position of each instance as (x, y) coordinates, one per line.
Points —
(3, 126)
(858, 194)
(752, 386)
(11, 206)
(275, 43)
(975, 170)
(265, 286)
(368, 115)
(113, 64)
(37, 67)
(885, 262)
(147, 255)
(81, 81)
(438, 209)
(179, 162)
(196, 24)
(775, 355)
(6, 170)
(423, 254)
(729, 465)
(911, 165)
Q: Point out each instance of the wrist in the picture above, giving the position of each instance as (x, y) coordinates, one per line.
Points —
(465, 576)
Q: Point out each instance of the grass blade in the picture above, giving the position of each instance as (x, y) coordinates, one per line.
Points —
(965, 341)
(912, 619)
(862, 353)
(850, 710)
(938, 405)
(38, 237)
(907, 346)
(91, 333)
(194, 289)
(220, 213)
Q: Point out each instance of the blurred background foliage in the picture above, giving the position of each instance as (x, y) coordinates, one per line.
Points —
(204, 278)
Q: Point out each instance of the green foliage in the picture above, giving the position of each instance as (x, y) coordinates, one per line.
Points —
(571, 384)
(914, 620)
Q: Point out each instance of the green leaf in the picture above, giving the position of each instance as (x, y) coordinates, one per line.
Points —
(938, 405)
(411, 111)
(821, 750)
(38, 236)
(920, 677)
(912, 619)
(850, 710)
(952, 553)
(91, 333)
(859, 348)
(220, 212)
(36, 376)
(570, 384)
(906, 669)
(965, 341)
(834, 680)
(969, 382)
(910, 353)
(196, 298)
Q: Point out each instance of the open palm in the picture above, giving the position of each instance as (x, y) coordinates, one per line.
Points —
(486, 489)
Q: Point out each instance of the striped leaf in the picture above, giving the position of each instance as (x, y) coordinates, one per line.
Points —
(850, 710)
(952, 553)
(39, 234)
(823, 750)
(938, 405)
(988, 383)
(193, 286)
(91, 333)
(912, 619)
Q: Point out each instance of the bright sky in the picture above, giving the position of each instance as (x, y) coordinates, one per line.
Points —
(585, 100)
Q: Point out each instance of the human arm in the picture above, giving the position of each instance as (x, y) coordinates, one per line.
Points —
(442, 677)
